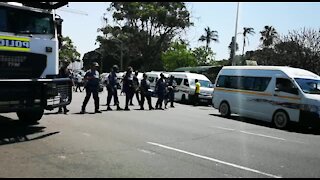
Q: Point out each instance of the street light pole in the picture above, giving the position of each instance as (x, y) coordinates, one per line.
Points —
(235, 38)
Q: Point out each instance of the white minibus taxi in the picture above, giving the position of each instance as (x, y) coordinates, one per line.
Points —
(185, 89)
(275, 94)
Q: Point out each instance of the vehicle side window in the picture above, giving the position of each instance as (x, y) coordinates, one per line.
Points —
(151, 79)
(3, 20)
(186, 82)
(178, 80)
(285, 85)
(221, 81)
(261, 83)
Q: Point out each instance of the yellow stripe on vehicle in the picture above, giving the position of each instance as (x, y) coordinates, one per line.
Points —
(255, 93)
(242, 91)
(14, 48)
(11, 43)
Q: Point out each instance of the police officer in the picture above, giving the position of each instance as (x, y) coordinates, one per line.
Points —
(92, 85)
(171, 86)
(136, 88)
(112, 87)
(160, 90)
(145, 93)
(128, 88)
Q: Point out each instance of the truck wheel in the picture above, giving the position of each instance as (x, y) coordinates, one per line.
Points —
(30, 117)
(280, 119)
(224, 109)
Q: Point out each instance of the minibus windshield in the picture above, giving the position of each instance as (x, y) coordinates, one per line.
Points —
(310, 86)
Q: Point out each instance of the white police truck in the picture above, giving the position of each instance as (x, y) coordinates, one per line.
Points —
(29, 62)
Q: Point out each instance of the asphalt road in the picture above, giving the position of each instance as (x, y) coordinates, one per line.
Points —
(184, 141)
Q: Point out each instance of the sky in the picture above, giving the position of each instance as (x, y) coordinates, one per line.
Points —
(284, 17)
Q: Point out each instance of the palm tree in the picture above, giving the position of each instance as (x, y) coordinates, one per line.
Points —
(246, 30)
(209, 36)
(268, 35)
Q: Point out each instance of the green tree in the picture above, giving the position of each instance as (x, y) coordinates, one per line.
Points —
(146, 30)
(68, 51)
(177, 56)
(268, 36)
(204, 57)
(209, 36)
(246, 31)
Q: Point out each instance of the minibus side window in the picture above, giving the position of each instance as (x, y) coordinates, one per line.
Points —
(261, 83)
(151, 79)
(185, 82)
(178, 80)
(285, 85)
(221, 81)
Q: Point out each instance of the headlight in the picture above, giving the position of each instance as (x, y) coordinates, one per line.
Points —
(310, 108)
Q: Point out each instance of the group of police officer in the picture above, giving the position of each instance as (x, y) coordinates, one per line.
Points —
(164, 89)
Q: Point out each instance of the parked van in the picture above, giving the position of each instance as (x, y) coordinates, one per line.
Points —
(153, 77)
(186, 87)
(275, 94)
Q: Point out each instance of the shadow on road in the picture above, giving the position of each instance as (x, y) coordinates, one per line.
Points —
(294, 127)
(15, 131)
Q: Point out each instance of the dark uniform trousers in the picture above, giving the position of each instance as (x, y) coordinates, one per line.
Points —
(148, 97)
(94, 92)
(112, 91)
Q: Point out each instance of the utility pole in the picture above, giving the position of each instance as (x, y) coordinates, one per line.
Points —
(235, 38)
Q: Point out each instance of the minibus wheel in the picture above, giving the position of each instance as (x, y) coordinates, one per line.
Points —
(224, 109)
(280, 119)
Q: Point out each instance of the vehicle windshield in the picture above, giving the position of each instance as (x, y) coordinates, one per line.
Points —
(25, 22)
(203, 83)
(310, 86)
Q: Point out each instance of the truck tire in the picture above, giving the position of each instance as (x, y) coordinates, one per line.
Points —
(30, 117)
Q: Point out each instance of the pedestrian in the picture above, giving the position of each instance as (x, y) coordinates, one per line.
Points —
(92, 85)
(112, 86)
(136, 88)
(171, 87)
(78, 81)
(64, 73)
(128, 88)
(160, 91)
(197, 92)
(145, 92)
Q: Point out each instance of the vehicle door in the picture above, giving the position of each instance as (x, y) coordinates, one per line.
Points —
(287, 97)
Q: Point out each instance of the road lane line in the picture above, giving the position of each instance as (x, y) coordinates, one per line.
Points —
(214, 160)
(262, 135)
(223, 128)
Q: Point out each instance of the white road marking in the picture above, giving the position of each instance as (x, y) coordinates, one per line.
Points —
(246, 132)
(224, 128)
(146, 151)
(214, 160)
(86, 134)
(62, 157)
(262, 135)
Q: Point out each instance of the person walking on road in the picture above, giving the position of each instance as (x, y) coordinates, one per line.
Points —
(171, 86)
(145, 93)
(128, 88)
(197, 92)
(64, 73)
(160, 90)
(92, 85)
(136, 88)
(78, 82)
(112, 86)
